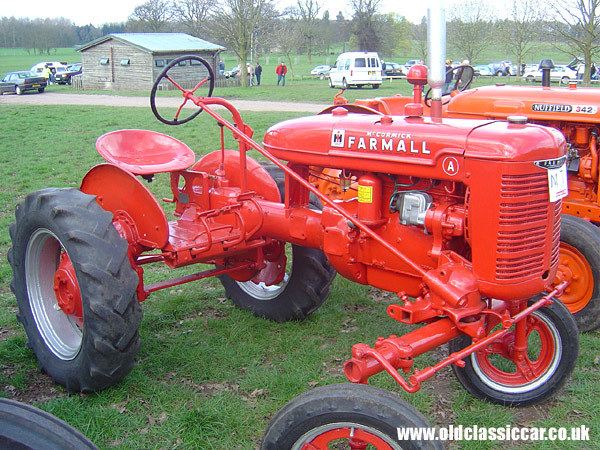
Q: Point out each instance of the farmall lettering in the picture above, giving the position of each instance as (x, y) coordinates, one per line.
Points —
(379, 141)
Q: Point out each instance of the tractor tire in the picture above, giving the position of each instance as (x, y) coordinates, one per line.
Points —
(23, 427)
(64, 241)
(580, 254)
(489, 374)
(330, 414)
(301, 292)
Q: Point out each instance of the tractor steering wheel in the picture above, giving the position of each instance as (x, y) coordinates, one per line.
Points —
(462, 77)
(184, 73)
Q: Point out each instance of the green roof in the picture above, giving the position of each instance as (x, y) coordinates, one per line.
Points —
(158, 42)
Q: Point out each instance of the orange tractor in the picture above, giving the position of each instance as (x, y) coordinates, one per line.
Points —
(458, 217)
(572, 110)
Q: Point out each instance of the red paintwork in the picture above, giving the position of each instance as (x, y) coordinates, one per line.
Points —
(490, 231)
(144, 152)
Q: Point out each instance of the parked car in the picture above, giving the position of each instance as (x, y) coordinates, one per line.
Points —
(321, 71)
(411, 62)
(356, 69)
(232, 73)
(64, 76)
(483, 70)
(561, 73)
(531, 67)
(393, 69)
(22, 81)
(503, 68)
(37, 68)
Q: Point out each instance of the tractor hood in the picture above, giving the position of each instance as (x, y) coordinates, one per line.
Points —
(413, 146)
(571, 103)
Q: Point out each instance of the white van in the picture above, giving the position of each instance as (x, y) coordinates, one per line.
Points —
(37, 68)
(356, 69)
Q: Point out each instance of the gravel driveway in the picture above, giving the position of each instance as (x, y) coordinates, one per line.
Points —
(50, 98)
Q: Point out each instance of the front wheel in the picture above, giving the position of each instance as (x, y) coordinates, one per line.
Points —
(495, 374)
(347, 416)
(75, 289)
(18, 90)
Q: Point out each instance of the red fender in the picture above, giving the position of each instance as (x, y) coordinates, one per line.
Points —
(118, 191)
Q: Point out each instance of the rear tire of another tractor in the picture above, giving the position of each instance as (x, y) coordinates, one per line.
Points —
(580, 258)
(491, 374)
(75, 289)
(344, 416)
(303, 289)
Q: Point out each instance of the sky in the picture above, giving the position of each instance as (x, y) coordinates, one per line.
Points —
(103, 11)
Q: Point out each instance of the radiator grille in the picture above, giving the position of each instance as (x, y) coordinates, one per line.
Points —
(523, 219)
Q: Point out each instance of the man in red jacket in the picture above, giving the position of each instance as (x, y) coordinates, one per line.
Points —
(281, 71)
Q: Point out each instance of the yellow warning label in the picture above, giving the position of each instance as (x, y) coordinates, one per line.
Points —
(365, 194)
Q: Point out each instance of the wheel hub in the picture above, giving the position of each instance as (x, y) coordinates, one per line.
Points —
(66, 288)
(574, 268)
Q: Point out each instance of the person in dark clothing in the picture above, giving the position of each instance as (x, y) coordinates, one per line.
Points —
(257, 73)
(449, 76)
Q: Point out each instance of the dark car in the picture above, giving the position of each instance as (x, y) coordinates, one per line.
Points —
(64, 77)
(19, 82)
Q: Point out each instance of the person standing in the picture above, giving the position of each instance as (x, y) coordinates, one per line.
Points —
(258, 72)
(281, 71)
(47, 74)
(250, 71)
(449, 76)
(221, 67)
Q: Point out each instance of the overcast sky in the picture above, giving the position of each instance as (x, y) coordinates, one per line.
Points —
(103, 11)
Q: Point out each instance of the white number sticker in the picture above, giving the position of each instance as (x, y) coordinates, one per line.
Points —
(557, 183)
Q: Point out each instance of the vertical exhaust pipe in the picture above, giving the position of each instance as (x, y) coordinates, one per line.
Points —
(436, 55)
(546, 65)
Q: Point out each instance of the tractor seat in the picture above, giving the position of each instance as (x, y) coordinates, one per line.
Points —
(144, 152)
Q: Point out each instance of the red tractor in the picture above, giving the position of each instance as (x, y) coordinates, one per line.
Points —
(455, 216)
(572, 110)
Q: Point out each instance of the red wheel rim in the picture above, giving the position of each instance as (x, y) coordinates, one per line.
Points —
(499, 366)
(359, 440)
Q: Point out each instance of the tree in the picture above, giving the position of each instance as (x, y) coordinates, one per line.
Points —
(153, 16)
(193, 14)
(238, 22)
(583, 34)
(365, 25)
(307, 12)
(521, 30)
(419, 34)
(470, 28)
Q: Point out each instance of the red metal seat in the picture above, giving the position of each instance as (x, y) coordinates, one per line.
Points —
(144, 152)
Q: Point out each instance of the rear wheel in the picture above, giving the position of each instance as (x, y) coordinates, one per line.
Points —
(18, 90)
(565, 80)
(580, 264)
(499, 374)
(305, 285)
(75, 289)
(346, 416)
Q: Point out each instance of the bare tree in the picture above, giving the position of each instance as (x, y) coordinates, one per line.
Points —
(307, 12)
(365, 24)
(193, 14)
(583, 34)
(154, 15)
(237, 23)
(520, 31)
(469, 28)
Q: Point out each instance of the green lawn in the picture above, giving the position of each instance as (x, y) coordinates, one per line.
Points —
(209, 376)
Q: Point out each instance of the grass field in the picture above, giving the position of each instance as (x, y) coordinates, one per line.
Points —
(209, 376)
